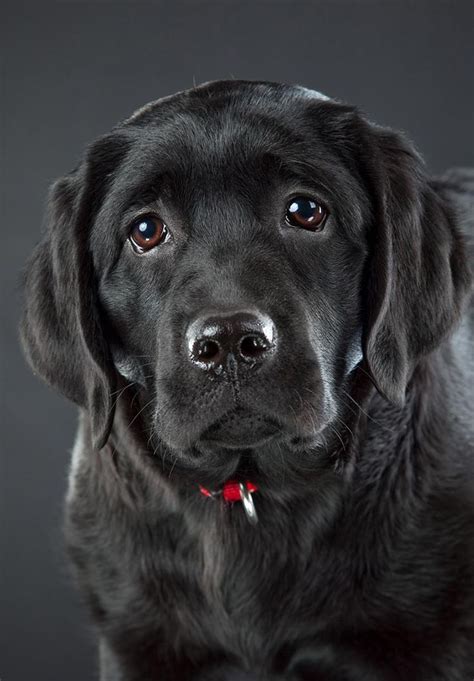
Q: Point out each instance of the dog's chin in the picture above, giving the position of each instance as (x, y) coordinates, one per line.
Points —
(248, 441)
(279, 463)
(245, 445)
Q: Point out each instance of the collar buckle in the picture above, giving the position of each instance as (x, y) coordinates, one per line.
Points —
(236, 491)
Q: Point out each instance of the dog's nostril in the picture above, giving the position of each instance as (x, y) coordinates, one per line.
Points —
(207, 350)
(252, 346)
(225, 339)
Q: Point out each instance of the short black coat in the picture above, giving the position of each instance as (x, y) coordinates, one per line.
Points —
(361, 565)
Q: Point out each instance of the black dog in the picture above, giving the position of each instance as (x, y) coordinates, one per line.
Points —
(259, 300)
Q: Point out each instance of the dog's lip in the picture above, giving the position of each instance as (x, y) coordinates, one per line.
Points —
(240, 429)
(241, 443)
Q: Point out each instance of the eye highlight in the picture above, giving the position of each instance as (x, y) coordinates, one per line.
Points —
(147, 232)
(305, 212)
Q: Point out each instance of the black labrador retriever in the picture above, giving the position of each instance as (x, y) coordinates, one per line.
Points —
(259, 300)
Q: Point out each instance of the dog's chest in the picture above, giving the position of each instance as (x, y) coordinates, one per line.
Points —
(240, 595)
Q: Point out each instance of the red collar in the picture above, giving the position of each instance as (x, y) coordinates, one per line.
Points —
(233, 490)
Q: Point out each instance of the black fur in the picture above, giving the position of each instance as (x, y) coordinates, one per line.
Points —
(361, 566)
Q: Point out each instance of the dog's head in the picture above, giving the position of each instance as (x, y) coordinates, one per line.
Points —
(238, 253)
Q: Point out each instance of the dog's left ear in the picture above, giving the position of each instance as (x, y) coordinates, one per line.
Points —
(417, 275)
(61, 329)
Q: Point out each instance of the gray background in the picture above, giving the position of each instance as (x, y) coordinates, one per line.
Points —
(70, 71)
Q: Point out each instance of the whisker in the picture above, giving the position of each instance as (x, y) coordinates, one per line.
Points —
(172, 467)
(345, 425)
(140, 411)
(381, 425)
(120, 393)
(338, 435)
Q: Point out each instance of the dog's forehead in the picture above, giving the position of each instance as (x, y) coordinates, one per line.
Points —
(224, 122)
(217, 95)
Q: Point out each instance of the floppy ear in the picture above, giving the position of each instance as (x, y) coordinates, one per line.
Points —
(61, 328)
(418, 275)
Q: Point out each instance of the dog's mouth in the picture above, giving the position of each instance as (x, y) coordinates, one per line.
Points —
(240, 429)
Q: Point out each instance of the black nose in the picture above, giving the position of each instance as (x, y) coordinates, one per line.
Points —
(248, 337)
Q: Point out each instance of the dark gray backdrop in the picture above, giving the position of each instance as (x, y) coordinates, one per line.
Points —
(71, 70)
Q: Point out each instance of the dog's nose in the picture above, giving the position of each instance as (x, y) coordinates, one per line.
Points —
(213, 339)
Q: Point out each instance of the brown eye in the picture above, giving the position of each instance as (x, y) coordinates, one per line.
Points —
(147, 232)
(304, 212)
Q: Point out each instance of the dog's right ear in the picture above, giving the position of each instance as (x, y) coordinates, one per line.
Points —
(61, 328)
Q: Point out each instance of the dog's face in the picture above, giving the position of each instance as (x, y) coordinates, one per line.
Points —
(239, 252)
(230, 251)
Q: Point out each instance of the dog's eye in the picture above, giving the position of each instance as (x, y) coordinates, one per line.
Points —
(305, 212)
(147, 232)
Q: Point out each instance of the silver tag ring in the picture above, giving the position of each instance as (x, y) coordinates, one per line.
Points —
(248, 505)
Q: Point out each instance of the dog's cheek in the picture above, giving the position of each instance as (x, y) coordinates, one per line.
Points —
(354, 352)
(129, 368)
